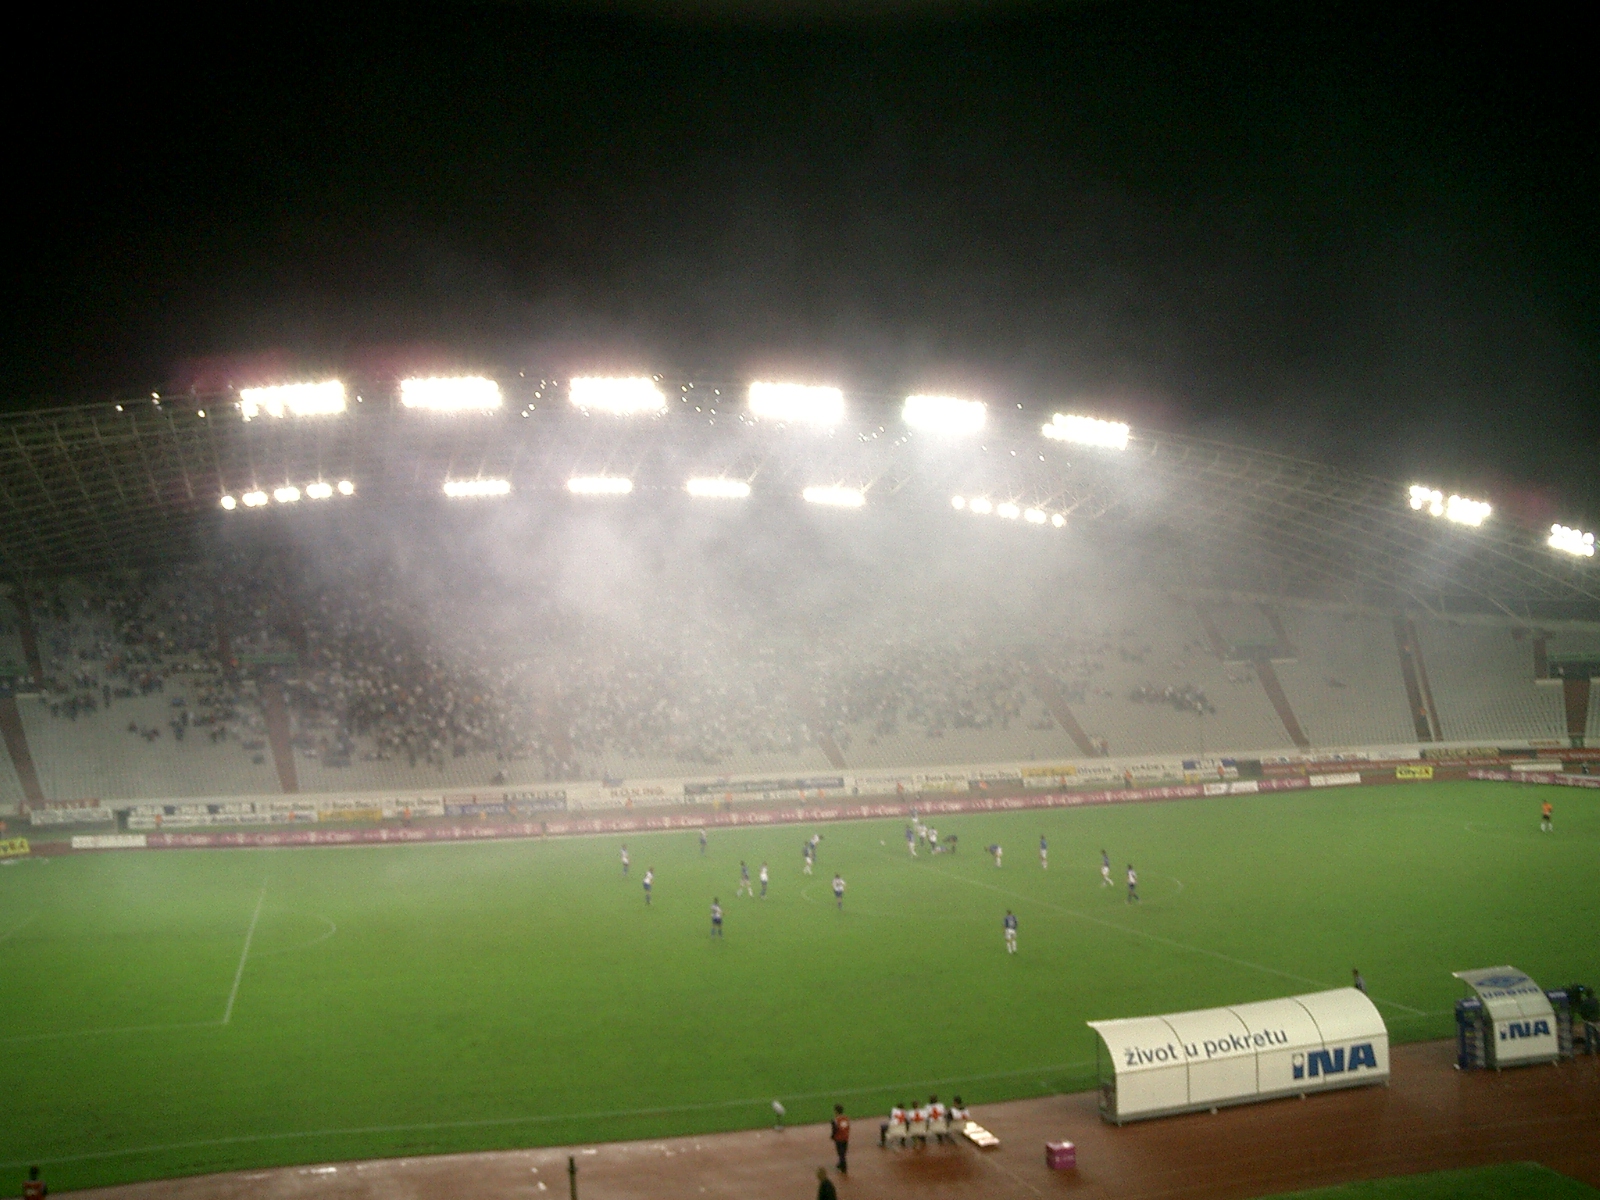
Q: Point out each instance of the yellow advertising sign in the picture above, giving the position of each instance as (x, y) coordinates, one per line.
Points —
(13, 846)
(1419, 771)
(1065, 769)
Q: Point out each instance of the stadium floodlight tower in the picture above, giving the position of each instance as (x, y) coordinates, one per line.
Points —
(324, 399)
(1087, 431)
(1571, 541)
(635, 396)
(835, 496)
(717, 489)
(1457, 509)
(944, 414)
(797, 404)
(465, 393)
(466, 489)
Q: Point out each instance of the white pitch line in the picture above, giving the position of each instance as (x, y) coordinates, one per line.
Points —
(76, 1033)
(1156, 937)
(233, 995)
(17, 928)
(541, 1119)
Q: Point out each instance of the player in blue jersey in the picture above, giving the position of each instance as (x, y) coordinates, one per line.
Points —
(1044, 853)
(745, 888)
(1010, 924)
(911, 839)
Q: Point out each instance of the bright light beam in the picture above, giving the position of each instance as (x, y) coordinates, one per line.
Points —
(293, 399)
(718, 489)
(318, 491)
(463, 488)
(835, 497)
(466, 393)
(620, 397)
(943, 414)
(797, 404)
(599, 485)
(1458, 509)
(1087, 431)
(1571, 541)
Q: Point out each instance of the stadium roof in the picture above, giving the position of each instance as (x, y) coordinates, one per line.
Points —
(138, 483)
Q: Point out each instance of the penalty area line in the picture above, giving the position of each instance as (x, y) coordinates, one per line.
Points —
(244, 954)
(541, 1119)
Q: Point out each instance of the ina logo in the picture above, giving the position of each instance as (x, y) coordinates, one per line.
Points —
(1512, 1030)
(1335, 1061)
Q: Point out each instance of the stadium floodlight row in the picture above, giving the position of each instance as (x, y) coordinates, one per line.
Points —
(289, 494)
(983, 506)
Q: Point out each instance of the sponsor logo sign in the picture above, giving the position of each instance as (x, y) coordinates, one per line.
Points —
(1414, 771)
(11, 847)
(1334, 1060)
(1342, 779)
(108, 841)
(1513, 1030)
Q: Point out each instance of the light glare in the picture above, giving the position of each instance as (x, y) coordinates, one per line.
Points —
(467, 393)
(1058, 520)
(229, 503)
(958, 502)
(1571, 541)
(1458, 509)
(981, 506)
(286, 495)
(293, 399)
(254, 499)
(943, 414)
(319, 491)
(622, 397)
(458, 488)
(1034, 516)
(797, 404)
(599, 485)
(718, 489)
(836, 497)
(346, 488)
(1087, 431)
(1009, 511)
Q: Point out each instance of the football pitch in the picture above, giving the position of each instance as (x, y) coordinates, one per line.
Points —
(166, 1013)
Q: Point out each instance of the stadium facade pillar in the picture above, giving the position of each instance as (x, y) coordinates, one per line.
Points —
(1057, 706)
(1575, 694)
(1420, 696)
(1280, 703)
(16, 742)
(1285, 648)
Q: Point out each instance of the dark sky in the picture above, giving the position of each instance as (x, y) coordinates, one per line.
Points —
(1362, 234)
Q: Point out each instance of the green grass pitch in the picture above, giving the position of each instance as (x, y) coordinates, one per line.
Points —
(400, 1000)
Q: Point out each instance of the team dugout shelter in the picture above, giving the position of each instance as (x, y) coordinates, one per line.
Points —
(1509, 1023)
(1186, 1062)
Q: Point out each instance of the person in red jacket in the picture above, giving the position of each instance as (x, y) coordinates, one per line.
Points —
(841, 1137)
(34, 1189)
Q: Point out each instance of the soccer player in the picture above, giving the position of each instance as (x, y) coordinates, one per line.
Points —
(702, 843)
(838, 888)
(1044, 853)
(809, 853)
(841, 1137)
(1010, 924)
(1546, 825)
(933, 841)
(815, 839)
(1105, 869)
(1357, 982)
(744, 887)
(716, 918)
(997, 851)
(624, 860)
(649, 878)
(911, 839)
(763, 881)
(1133, 884)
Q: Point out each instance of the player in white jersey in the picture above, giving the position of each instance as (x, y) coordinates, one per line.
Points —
(624, 860)
(838, 889)
(1105, 869)
(649, 878)
(807, 852)
(933, 841)
(763, 878)
(1044, 853)
(997, 850)
(1011, 931)
(1133, 884)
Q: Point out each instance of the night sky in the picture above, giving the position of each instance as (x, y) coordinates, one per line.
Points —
(1360, 236)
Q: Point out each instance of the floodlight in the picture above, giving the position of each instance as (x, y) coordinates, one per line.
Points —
(958, 502)
(456, 489)
(1426, 497)
(599, 485)
(346, 488)
(254, 499)
(466, 393)
(286, 495)
(622, 397)
(1008, 510)
(718, 489)
(797, 403)
(319, 491)
(1466, 512)
(293, 399)
(1058, 520)
(981, 506)
(943, 414)
(1034, 516)
(229, 503)
(836, 497)
(1571, 541)
(1087, 431)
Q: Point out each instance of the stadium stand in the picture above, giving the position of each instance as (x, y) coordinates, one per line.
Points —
(1483, 684)
(1344, 680)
